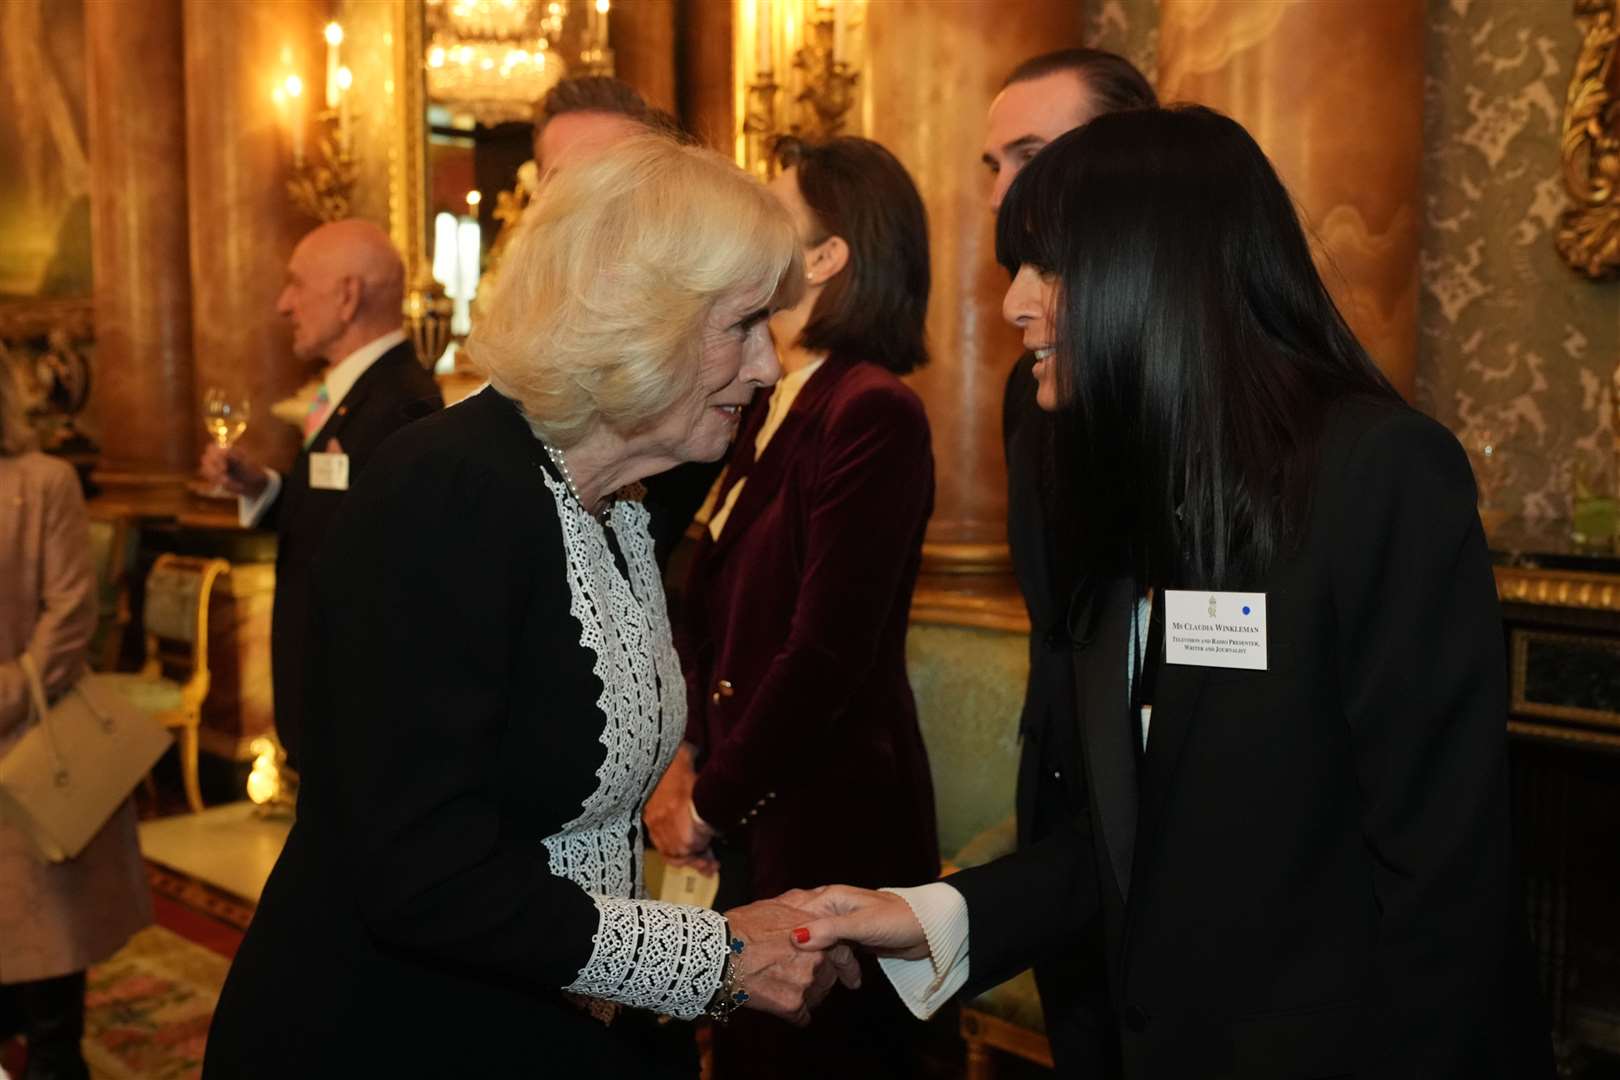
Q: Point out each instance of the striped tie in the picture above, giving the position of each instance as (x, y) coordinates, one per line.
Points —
(316, 416)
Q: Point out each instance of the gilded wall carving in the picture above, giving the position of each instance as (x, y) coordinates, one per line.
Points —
(1513, 341)
(1128, 27)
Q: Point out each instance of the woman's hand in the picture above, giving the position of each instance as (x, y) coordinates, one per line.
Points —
(881, 921)
(781, 979)
(675, 832)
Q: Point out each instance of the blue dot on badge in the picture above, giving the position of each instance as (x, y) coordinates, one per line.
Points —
(1245, 609)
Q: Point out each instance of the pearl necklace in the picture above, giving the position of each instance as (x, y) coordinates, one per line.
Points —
(561, 462)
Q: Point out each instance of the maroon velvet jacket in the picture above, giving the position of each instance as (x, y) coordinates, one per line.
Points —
(795, 634)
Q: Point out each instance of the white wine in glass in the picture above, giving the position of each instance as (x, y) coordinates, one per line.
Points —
(225, 418)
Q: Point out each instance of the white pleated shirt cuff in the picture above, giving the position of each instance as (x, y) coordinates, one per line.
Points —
(924, 985)
(250, 511)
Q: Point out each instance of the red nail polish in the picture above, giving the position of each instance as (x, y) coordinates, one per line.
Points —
(802, 936)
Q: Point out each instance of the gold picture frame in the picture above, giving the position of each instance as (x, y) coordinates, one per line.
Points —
(1589, 232)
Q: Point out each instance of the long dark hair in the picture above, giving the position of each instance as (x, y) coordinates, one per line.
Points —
(876, 309)
(1197, 348)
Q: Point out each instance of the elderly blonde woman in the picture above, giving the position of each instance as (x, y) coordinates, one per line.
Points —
(55, 919)
(494, 691)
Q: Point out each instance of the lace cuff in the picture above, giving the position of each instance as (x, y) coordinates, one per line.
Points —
(666, 958)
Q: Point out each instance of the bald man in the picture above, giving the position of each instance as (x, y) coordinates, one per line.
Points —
(343, 298)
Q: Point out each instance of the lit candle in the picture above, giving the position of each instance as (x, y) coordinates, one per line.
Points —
(294, 86)
(762, 42)
(279, 97)
(334, 38)
(602, 23)
(345, 79)
(840, 34)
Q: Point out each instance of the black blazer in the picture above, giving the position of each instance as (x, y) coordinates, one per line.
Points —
(1311, 872)
(389, 394)
(412, 925)
(1051, 792)
(1041, 563)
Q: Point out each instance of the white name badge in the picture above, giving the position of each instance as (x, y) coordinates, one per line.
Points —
(329, 472)
(1215, 629)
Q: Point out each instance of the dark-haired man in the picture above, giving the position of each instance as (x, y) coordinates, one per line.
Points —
(581, 116)
(588, 113)
(1043, 98)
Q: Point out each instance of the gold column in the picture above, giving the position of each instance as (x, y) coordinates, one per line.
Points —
(1333, 90)
(142, 396)
(243, 227)
(642, 34)
(937, 131)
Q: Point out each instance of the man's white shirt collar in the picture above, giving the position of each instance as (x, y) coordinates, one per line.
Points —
(341, 376)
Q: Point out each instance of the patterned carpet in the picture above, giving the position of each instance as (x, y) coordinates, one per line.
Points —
(147, 1009)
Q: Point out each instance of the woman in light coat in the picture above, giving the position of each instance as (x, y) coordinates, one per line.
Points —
(55, 920)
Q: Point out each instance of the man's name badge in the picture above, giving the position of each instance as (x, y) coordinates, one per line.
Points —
(1215, 629)
(329, 472)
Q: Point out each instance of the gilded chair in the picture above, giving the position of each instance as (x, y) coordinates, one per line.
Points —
(173, 683)
(111, 552)
(969, 684)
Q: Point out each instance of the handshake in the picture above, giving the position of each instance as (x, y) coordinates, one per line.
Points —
(799, 945)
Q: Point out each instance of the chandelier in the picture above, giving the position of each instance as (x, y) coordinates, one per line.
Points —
(493, 59)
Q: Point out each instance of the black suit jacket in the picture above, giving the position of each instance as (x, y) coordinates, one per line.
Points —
(1311, 872)
(413, 926)
(1042, 565)
(1051, 791)
(389, 394)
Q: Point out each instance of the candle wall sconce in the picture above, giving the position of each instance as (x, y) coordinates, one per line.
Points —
(322, 183)
(796, 73)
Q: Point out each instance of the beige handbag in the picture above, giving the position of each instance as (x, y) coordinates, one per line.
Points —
(71, 771)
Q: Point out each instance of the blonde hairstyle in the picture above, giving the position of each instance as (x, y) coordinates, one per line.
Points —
(599, 309)
(16, 433)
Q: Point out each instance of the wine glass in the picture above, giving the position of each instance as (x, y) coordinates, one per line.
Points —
(225, 418)
(1492, 475)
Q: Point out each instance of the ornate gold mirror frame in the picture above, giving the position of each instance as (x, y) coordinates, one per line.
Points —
(1589, 232)
(407, 176)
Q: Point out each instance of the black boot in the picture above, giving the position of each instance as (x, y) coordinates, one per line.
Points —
(53, 1020)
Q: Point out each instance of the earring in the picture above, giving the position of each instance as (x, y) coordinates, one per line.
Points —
(810, 279)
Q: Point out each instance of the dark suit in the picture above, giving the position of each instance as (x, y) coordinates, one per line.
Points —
(1072, 984)
(794, 647)
(1310, 873)
(389, 394)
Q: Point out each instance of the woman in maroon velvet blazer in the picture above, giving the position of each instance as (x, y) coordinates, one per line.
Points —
(798, 601)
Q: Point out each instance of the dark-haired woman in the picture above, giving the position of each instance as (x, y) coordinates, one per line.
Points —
(1290, 673)
(798, 601)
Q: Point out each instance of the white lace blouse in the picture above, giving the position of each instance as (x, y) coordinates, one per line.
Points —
(663, 957)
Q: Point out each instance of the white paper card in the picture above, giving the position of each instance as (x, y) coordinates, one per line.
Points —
(329, 472)
(687, 885)
(1215, 629)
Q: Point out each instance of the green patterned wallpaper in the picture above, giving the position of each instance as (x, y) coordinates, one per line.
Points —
(1511, 341)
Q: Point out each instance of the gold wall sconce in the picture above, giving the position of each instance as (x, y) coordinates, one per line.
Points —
(1589, 232)
(321, 184)
(797, 73)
